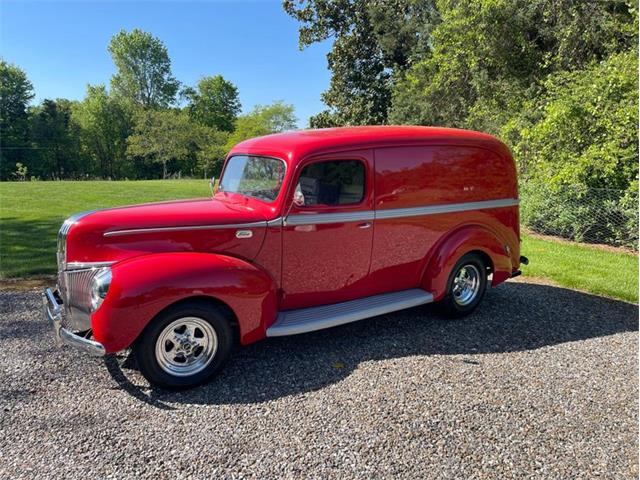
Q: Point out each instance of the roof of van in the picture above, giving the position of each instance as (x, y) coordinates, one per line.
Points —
(299, 143)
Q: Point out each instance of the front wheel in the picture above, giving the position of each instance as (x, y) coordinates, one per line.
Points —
(465, 287)
(184, 345)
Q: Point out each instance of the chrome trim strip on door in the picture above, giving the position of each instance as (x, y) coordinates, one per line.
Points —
(323, 218)
(343, 217)
(276, 222)
(115, 233)
(449, 208)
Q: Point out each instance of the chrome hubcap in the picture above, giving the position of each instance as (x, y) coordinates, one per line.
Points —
(466, 285)
(186, 346)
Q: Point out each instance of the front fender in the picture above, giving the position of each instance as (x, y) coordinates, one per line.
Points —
(143, 286)
(450, 249)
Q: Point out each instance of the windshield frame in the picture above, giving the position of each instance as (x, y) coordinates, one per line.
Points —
(282, 185)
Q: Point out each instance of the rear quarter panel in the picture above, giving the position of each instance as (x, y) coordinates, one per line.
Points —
(431, 175)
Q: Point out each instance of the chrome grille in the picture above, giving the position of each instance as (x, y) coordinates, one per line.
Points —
(74, 285)
(75, 289)
(78, 288)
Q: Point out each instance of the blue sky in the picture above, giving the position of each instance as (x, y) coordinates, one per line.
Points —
(62, 46)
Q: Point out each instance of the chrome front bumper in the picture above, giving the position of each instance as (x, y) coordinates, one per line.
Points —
(53, 312)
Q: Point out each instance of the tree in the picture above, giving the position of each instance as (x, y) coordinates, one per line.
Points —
(373, 41)
(215, 103)
(56, 138)
(211, 154)
(105, 123)
(585, 128)
(557, 80)
(144, 69)
(16, 91)
(171, 136)
(263, 120)
(490, 55)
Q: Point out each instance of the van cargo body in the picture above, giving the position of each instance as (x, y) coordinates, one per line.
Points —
(306, 230)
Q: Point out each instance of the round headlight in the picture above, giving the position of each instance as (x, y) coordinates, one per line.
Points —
(100, 287)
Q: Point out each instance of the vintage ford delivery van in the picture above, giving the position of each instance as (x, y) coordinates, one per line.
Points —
(307, 230)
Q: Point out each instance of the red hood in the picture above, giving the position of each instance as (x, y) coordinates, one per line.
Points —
(94, 239)
(174, 214)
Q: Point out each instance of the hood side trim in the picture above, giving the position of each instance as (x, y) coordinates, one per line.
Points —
(115, 233)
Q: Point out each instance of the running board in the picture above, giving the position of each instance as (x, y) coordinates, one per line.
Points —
(292, 322)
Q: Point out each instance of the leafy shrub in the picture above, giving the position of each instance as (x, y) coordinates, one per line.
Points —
(591, 215)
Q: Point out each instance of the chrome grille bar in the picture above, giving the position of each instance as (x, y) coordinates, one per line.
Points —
(74, 289)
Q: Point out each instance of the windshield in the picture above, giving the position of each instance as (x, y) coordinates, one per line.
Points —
(258, 177)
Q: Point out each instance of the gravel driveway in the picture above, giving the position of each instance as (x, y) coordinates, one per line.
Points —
(541, 382)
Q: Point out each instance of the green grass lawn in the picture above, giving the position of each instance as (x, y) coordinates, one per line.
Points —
(614, 274)
(31, 214)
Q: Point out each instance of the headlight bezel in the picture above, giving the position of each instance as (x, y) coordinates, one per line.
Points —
(100, 287)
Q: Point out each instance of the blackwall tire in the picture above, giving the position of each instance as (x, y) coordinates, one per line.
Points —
(466, 286)
(184, 346)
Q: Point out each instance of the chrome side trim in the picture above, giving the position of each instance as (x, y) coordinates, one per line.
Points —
(115, 233)
(304, 320)
(276, 222)
(449, 208)
(323, 218)
(71, 266)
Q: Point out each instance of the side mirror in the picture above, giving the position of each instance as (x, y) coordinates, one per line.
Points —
(297, 201)
(212, 185)
(298, 197)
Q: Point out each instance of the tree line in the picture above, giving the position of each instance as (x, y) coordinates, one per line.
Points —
(556, 80)
(146, 125)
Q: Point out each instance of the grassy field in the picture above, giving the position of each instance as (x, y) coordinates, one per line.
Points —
(610, 273)
(31, 214)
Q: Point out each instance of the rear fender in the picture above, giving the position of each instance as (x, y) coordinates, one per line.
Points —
(460, 242)
(143, 286)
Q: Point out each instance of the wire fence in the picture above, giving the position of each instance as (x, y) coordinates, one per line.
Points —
(589, 215)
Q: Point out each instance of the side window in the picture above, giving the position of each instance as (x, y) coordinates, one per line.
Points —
(333, 182)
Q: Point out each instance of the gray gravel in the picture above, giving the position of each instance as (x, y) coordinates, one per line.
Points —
(541, 382)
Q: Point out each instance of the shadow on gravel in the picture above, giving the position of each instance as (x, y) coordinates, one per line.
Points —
(513, 317)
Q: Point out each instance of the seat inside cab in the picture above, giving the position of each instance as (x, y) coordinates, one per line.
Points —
(333, 182)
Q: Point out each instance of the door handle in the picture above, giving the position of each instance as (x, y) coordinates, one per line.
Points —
(364, 225)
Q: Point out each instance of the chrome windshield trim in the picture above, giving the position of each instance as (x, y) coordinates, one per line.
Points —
(73, 266)
(449, 208)
(323, 218)
(115, 233)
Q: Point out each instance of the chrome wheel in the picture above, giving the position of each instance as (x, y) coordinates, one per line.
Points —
(186, 346)
(466, 285)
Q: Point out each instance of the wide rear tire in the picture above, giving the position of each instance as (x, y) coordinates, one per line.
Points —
(184, 346)
(465, 287)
